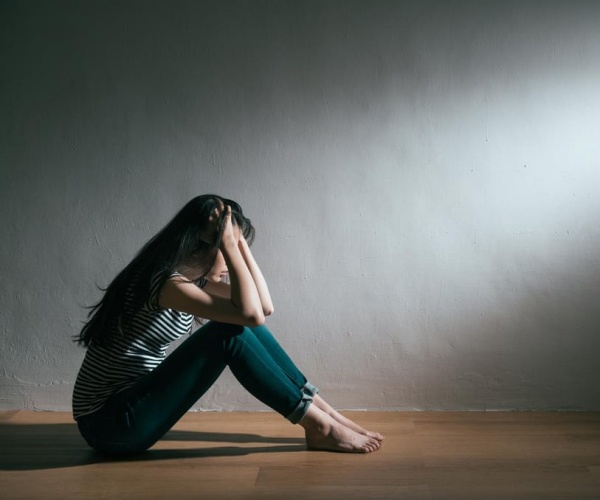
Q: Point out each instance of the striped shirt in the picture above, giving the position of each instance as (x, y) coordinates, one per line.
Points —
(117, 366)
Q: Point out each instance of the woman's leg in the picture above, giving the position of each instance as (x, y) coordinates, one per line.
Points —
(287, 365)
(278, 354)
(134, 419)
(324, 427)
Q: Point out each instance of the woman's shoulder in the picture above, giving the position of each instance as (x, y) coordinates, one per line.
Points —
(178, 276)
(159, 279)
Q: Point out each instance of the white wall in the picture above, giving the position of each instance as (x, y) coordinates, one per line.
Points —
(423, 177)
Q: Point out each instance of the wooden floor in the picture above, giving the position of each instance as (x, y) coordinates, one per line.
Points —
(426, 455)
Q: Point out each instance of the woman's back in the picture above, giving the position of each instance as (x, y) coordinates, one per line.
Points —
(116, 365)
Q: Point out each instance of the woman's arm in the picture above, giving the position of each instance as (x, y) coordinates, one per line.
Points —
(243, 307)
(257, 276)
(223, 289)
(244, 291)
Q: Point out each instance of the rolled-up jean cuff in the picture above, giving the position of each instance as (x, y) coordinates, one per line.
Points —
(310, 389)
(300, 410)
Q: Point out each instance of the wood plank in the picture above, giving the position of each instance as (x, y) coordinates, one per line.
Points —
(420, 492)
(426, 455)
(5, 416)
(507, 481)
(507, 428)
(128, 481)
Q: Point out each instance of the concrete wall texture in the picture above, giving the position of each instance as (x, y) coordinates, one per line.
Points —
(423, 177)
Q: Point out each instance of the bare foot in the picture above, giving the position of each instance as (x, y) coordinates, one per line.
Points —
(338, 417)
(324, 433)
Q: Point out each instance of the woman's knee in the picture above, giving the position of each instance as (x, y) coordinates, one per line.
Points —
(239, 340)
(261, 331)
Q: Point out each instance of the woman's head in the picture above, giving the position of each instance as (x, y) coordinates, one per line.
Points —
(190, 242)
(198, 228)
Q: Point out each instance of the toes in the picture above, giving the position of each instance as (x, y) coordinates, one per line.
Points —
(374, 435)
(372, 445)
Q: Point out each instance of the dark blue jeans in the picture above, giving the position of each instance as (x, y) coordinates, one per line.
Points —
(133, 420)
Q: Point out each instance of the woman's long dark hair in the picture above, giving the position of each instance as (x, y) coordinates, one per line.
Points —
(179, 242)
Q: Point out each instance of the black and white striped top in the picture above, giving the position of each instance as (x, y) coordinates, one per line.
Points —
(117, 366)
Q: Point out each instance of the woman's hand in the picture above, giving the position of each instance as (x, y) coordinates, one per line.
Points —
(231, 233)
(214, 221)
(221, 217)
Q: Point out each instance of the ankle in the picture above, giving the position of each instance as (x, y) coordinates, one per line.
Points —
(315, 420)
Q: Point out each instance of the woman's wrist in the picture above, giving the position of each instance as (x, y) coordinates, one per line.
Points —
(228, 245)
(243, 244)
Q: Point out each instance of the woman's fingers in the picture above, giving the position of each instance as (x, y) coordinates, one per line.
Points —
(215, 219)
(218, 214)
(227, 218)
(215, 215)
(229, 234)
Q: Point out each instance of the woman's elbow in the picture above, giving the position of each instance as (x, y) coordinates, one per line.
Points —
(255, 319)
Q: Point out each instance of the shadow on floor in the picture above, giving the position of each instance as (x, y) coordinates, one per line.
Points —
(51, 446)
